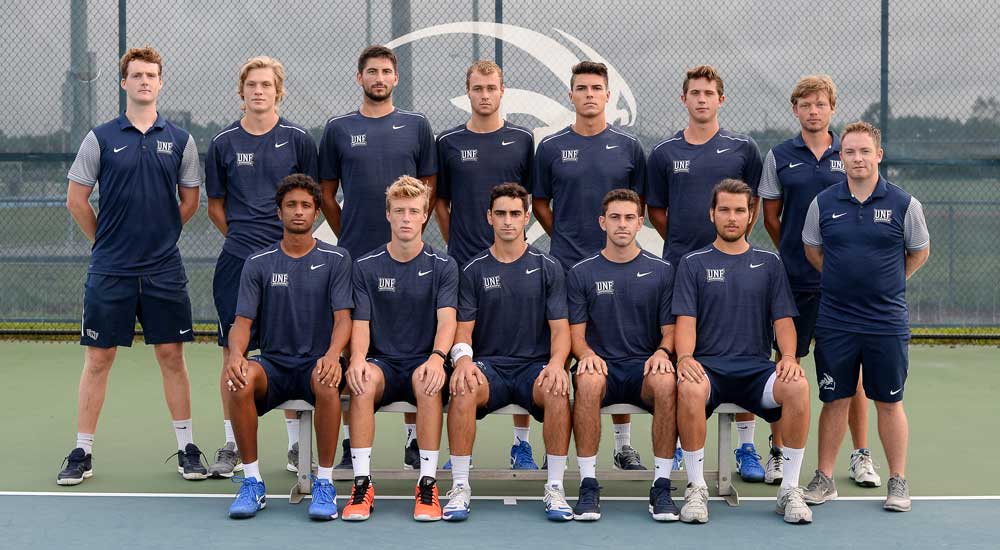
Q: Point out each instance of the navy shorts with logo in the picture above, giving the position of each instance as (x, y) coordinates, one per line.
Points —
(741, 382)
(623, 385)
(287, 379)
(112, 304)
(511, 385)
(225, 292)
(807, 302)
(883, 359)
(399, 380)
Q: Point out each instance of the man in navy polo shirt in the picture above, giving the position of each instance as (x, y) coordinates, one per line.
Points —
(623, 333)
(363, 152)
(731, 301)
(142, 164)
(681, 173)
(574, 169)
(298, 293)
(473, 158)
(510, 348)
(795, 171)
(867, 237)
(244, 166)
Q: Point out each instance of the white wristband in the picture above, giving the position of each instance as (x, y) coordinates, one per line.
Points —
(460, 350)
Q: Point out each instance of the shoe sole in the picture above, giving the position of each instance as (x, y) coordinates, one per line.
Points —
(355, 517)
(192, 476)
(248, 515)
(827, 498)
(799, 521)
(587, 516)
(694, 520)
(219, 474)
(752, 479)
(317, 517)
(865, 483)
(774, 481)
(75, 480)
(895, 508)
(458, 516)
(664, 517)
(426, 519)
(558, 517)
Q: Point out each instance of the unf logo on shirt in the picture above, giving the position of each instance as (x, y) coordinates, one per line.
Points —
(165, 147)
(244, 159)
(570, 155)
(387, 284)
(682, 166)
(715, 275)
(470, 155)
(492, 282)
(604, 287)
(359, 141)
(883, 216)
(279, 279)
(836, 165)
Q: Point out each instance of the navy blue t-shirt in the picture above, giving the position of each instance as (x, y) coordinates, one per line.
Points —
(291, 300)
(245, 170)
(680, 177)
(137, 175)
(575, 172)
(623, 304)
(864, 261)
(470, 165)
(401, 300)
(735, 299)
(512, 304)
(367, 155)
(793, 175)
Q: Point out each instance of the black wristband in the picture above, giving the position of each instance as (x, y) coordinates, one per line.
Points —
(665, 350)
(440, 354)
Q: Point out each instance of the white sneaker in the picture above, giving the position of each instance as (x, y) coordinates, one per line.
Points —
(774, 470)
(792, 505)
(695, 509)
(862, 469)
(556, 507)
(458, 507)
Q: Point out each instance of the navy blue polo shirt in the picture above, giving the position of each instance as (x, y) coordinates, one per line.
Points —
(137, 174)
(793, 175)
(512, 304)
(864, 262)
(470, 165)
(575, 172)
(366, 155)
(680, 177)
(245, 170)
(623, 304)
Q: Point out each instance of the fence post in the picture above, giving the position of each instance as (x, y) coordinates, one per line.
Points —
(122, 16)
(498, 18)
(884, 92)
(403, 95)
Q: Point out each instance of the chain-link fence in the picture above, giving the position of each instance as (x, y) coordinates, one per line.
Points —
(941, 126)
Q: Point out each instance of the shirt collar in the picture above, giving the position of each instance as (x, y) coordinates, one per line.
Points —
(881, 189)
(125, 123)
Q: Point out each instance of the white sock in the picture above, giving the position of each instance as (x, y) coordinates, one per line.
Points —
(587, 465)
(557, 468)
(292, 427)
(183, 433)
(411, 432)
(662, 467)
(429, 463)
(325, 473)
(745, 431)
(694, 463)
(521, 434)
(361, 458)
(252, 469)
(792, 467)
(623, 436)
(230, 434)
(85, 442)
(347, 431)
(460, 469)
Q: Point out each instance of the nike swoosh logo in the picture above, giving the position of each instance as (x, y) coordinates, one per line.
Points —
(185, 331)
(182, 427)
(835, 216)
(530, 271)
(895, 392)
(277, 145)
(394, 127)
(720, 151)
(120, 148)
(643, 274)
(424, 458)
(755, 266)
(506, 143)
(315, 267)
(422, 273)
(610, 147)
(794, 164)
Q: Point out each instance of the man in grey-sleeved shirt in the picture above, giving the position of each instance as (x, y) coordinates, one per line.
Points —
(142, 164)
(867, 237)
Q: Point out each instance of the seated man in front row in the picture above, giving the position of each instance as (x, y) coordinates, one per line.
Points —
(298, 292)
(726, 298)
(622, 332)
(512, 313)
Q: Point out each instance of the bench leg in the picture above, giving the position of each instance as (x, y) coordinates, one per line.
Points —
(303, 485)
(726, 488)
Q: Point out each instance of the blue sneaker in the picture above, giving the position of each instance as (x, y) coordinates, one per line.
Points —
(250, 499)
(748, 464)
(324, 501)
(556, 507)
(588, 504)
(661, 506)
(678, 460)
(520, 457)
(458, 507)
(447, 465)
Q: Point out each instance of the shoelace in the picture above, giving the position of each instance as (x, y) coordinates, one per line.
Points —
(864, 463)
(247, 493)
(629, 455)
(224, 454)
(897, 487)
(359, 492)
(522, 454)
(426, 494)
(698, 496)
(588, 496)
(457, 495)
(555, 498)
(323, 490)
(740, 454)
(816, 481)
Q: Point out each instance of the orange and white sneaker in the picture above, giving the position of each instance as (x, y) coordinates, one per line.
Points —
(362, 501)
(427, 507)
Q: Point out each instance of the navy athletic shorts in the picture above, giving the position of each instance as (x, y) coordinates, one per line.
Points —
(511, 385)
(739, 381)
(841, 355)
(225, 292)
(112, 304)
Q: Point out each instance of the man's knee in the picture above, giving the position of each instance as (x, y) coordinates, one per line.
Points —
(881, 407)
(661, 386)
(99, 360)
(170, 355)
(590, 385)
(693, 392)
(796, 391)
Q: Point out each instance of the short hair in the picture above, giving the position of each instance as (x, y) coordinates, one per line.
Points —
(732, 186)
(815, 84)
(145, 53)
(484, 67)
(862, 127)
(264, 62)
(589, 67)
(621, 195)
(374, 52)
(407, 187)
(298, 181)
(511, 190)
(707, 72)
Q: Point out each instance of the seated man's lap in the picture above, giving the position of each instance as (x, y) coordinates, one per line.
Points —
(398, 380)
(624, 384)
(287, 379)
(742, 382)
(511, 383)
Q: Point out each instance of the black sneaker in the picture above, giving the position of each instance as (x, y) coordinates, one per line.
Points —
(661, 506)
(411, 456)
(189, 464)
(79, 466)
(628, 459)
(345, 460)
(588, 504)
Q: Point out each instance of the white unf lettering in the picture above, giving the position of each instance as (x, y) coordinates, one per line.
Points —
(279, 279)
(715, 275)
(605, 287)
(883, 216)
(491, 282)
(386, 284)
